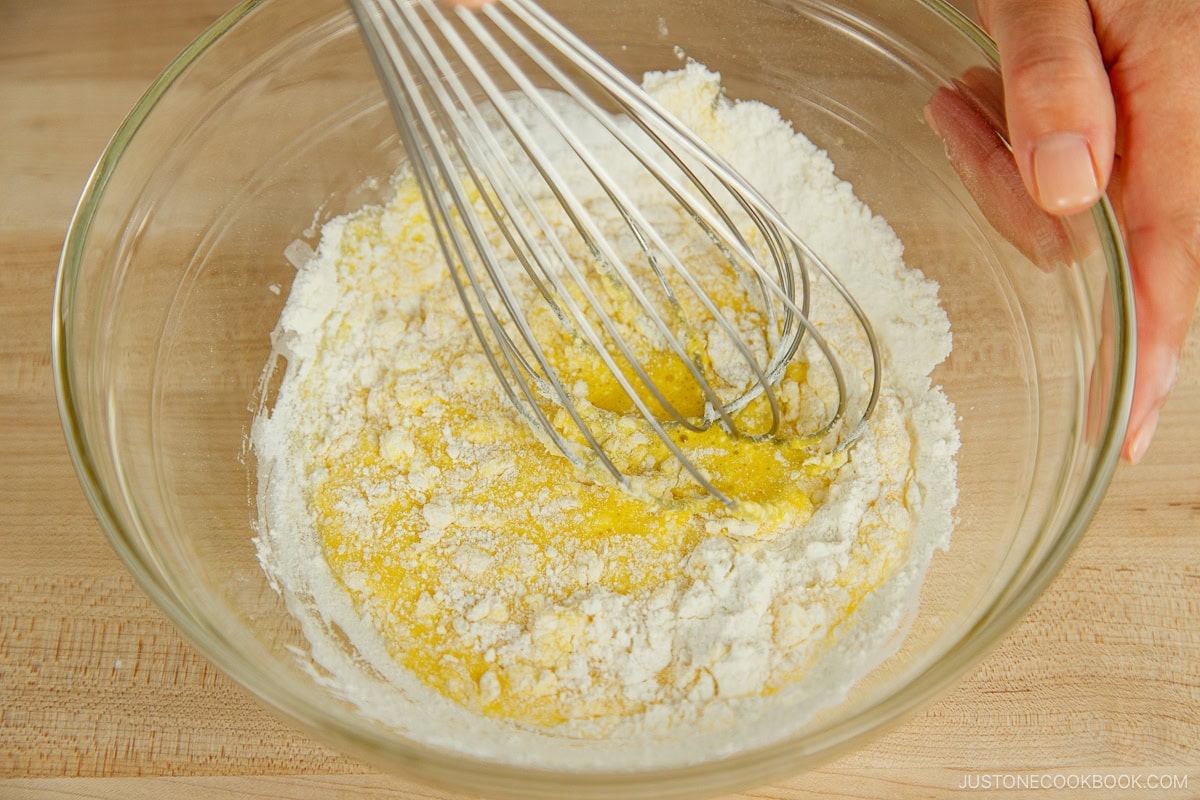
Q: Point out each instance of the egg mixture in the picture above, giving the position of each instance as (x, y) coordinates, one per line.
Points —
(538, 593)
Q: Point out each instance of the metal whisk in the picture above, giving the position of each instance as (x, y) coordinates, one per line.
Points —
(517, 212)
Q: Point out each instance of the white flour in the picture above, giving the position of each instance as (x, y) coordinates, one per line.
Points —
(711, 635)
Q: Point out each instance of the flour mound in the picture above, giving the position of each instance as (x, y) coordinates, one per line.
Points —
(404, 522)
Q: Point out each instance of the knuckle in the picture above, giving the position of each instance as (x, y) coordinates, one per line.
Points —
(1173, 244)
(1049, 66)
(1049, 83)
(1047, 50)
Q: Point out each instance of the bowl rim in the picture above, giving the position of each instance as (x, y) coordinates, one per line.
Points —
(449, 768)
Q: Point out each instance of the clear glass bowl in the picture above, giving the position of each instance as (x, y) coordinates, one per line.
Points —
(173, 276)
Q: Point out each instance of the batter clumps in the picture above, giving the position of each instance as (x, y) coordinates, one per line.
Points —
(409, 514)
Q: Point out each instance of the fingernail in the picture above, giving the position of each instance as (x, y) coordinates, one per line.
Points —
(1065, 171)
(1141, 440)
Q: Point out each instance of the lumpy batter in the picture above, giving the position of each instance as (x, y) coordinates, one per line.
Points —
(538, 594)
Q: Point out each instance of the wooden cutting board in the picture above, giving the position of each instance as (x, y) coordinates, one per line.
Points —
(99, 697)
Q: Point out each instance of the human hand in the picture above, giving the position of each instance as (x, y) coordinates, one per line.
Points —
(1106, 93)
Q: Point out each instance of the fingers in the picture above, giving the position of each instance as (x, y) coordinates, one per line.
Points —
(1062, 124)
(1165, 265)
(968, 120)
(1158, 88)
(1061, 117)
(1166, 277)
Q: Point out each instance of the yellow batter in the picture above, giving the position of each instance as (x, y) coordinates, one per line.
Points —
(407, 510)
(433, 484)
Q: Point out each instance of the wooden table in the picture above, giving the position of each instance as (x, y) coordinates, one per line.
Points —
(99, 697)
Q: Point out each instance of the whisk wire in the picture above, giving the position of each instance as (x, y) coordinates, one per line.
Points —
(637, 223)
(405, 98)
(484, 248)
(720, 228)
(650, 115)
(596, 241)
(452, 147)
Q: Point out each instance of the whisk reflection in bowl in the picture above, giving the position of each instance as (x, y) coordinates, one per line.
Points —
(623, 302)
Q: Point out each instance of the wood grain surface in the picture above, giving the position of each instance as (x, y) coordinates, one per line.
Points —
(100, 698)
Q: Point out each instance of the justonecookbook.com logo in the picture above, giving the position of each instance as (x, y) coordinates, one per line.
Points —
(1145, 780)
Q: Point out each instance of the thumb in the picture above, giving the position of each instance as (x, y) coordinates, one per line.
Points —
(1061, 118)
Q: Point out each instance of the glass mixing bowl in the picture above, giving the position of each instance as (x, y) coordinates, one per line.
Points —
(174, 273)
